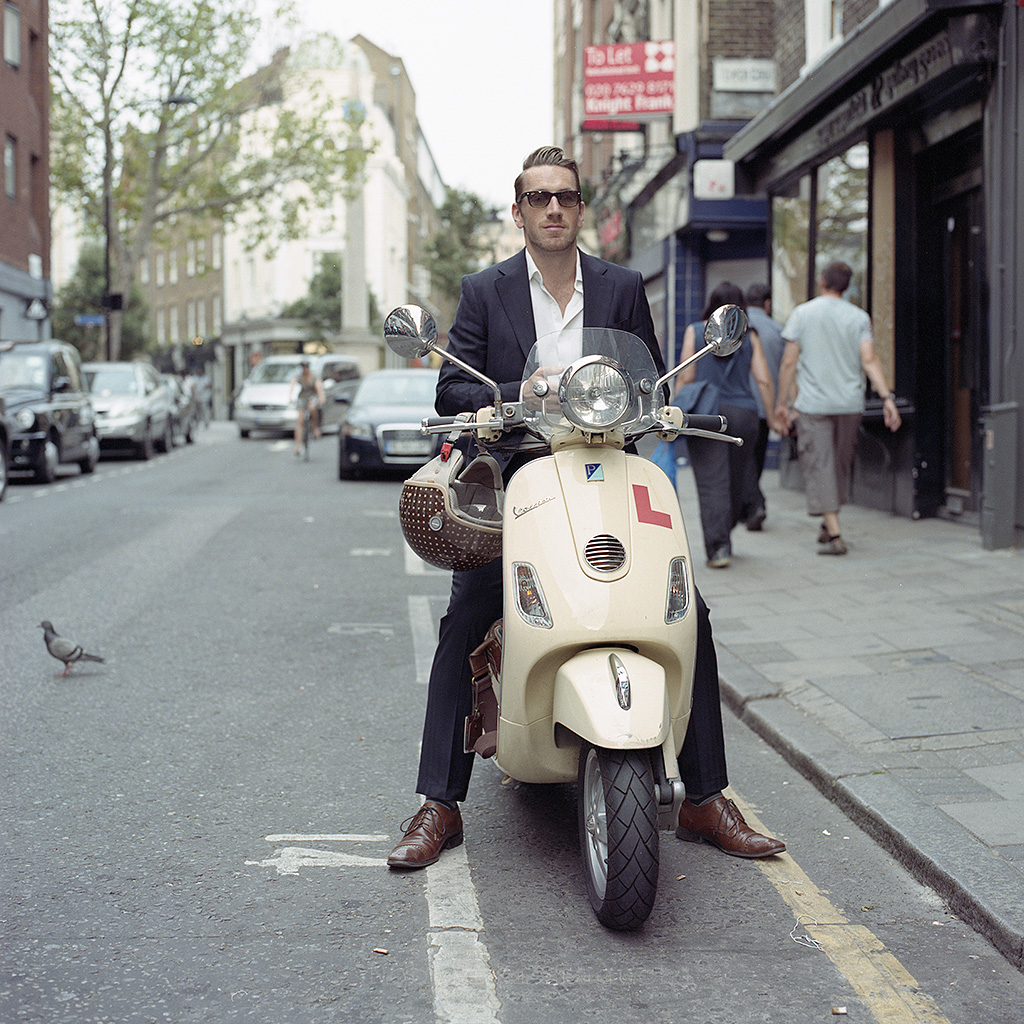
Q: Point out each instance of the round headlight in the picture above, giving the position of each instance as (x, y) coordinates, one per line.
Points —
(595, 393)
(25, 418)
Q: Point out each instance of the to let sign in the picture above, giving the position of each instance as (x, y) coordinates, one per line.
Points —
(628, 81)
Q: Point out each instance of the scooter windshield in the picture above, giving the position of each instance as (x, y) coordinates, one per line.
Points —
(595, 378)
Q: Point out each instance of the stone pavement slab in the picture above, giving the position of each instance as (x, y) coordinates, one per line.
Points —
(893, 677)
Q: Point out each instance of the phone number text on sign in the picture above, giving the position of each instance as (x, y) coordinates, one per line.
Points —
(635, 79)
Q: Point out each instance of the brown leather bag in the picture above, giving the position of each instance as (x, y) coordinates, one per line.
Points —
(482, 725)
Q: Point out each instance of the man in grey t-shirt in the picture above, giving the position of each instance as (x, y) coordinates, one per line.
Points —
(829, 349)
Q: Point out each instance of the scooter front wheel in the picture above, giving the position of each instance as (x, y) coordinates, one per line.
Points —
(618, 823)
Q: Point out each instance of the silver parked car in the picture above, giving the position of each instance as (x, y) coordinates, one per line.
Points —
(134, 408)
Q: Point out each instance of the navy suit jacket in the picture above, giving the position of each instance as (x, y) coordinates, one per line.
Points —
(493, 330)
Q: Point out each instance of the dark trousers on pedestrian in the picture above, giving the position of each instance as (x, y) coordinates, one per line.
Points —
(725, 477)
(476, 602)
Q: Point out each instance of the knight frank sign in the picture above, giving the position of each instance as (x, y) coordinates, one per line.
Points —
(627, 82)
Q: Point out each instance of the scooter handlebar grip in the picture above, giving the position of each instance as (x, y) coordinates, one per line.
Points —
(440, 421)
(716, 424)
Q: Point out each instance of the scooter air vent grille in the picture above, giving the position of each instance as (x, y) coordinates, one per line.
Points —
(605, 553)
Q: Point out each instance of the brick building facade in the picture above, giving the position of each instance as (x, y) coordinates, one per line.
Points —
(25, 289)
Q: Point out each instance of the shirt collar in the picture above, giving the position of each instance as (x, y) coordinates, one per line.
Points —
(534, 274)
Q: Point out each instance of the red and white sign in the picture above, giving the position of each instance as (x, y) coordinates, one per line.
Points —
(627, 81)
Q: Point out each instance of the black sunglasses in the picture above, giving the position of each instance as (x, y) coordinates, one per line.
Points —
(540, 199)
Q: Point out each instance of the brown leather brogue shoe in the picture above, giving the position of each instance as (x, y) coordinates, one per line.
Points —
(432, 830)
(720, 823)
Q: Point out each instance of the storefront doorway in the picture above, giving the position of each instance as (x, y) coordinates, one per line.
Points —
(951, 353)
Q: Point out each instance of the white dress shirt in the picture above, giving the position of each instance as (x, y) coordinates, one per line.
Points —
(548, 318)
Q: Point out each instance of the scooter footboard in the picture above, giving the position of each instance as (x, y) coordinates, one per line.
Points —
(612, 697)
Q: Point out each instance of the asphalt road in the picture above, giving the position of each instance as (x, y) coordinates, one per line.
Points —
(195, 830)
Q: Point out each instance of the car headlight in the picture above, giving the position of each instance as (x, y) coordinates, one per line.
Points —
(25, 418)
(360, 430)
(595, 393)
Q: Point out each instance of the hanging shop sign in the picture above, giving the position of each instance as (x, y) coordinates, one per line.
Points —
(627, 82)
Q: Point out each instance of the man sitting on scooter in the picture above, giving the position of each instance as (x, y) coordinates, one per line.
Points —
(548, 286)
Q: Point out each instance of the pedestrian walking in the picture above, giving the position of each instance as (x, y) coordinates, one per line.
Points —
(759, 313)
(725, 474)
(829, 349)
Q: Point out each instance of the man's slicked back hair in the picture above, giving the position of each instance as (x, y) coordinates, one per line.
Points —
(548, 156)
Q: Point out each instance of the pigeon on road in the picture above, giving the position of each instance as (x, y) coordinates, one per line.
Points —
(63, 649)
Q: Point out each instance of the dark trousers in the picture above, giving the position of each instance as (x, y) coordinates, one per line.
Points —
(725, 477)
(476, 602)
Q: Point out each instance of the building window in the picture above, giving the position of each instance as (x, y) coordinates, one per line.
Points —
(10, 164)
(823, 27)
(161, 269)
(12, 35)
(144, 270)
(190, 258)
(172, 267)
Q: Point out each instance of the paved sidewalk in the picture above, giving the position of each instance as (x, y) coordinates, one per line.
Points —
(893, 677)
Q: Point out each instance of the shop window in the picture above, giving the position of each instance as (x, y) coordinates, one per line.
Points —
(820, 218)
(791, 233)
(842, 217)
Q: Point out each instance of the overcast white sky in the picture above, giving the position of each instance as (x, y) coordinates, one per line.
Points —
(482, 71)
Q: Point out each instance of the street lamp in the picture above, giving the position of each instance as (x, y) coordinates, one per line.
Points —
(113, 302)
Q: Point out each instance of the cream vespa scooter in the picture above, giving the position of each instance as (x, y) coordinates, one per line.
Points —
(589, 675)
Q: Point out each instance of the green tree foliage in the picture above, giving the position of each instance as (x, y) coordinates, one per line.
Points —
(83, 293)
(153, 108)
(461, 245)
(320, 308)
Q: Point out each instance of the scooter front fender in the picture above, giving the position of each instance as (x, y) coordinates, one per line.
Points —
(612, 697)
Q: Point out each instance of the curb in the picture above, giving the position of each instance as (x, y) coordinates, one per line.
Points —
(972, 880)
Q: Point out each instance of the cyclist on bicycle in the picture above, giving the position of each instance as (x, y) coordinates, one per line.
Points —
(310, 396)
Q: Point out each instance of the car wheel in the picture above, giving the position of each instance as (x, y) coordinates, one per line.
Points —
(145, 450)
(166, 442)
(92, 455)
(46, 468)
(3, 467)
(243, 433)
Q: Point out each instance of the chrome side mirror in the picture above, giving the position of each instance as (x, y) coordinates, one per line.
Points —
(725, 330)
(410, 332)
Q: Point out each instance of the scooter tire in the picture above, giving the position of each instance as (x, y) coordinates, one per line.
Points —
(618, 825)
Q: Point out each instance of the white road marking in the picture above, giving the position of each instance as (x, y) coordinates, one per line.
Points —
(415, 566)
(290, 858)
(424, 635)
(460, 965)
(361, 629)
(370, 552)
(324, 837)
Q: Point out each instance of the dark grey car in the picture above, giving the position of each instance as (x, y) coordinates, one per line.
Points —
(43, 389)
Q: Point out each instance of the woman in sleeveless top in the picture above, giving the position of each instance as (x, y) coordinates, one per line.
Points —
(725, 473)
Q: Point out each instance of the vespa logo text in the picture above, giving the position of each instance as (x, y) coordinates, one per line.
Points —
(517, 512)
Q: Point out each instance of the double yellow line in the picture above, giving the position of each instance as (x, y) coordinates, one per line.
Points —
(881, 982)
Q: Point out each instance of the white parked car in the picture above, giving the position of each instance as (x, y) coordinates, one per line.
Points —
(262, 402)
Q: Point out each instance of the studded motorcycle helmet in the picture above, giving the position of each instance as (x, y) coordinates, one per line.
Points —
(451, 510)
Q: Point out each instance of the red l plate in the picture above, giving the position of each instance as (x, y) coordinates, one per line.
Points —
(644, 512)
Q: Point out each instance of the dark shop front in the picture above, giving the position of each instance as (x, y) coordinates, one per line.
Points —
(901, 153)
